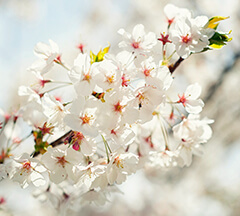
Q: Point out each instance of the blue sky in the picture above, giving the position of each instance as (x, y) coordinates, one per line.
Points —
(58, 20)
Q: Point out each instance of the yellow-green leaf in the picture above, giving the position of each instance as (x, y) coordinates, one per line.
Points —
(213, 22)
(219, 39)
(100, 56)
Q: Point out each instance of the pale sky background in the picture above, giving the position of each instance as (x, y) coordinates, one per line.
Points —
(22, 27)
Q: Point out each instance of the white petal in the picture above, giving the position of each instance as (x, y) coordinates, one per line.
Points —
(193, 91)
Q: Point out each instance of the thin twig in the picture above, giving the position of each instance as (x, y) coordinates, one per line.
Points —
(173, 67)
(55, 143)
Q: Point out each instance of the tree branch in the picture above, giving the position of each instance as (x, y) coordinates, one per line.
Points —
(55, 143)
(173, 67)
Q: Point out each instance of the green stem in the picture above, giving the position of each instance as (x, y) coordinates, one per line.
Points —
(107, 148)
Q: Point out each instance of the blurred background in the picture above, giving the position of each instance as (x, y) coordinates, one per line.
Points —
(211, 185)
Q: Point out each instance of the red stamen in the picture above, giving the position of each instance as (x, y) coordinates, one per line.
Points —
(85, 119)
(182, 99)
(147, 72)
(135, 45)
(118, 107)
(164, 39)
(113, 132)
(81, 46)
(125, 81)
(170, 21)
(61, 161)
(27, 166)
(186, 39)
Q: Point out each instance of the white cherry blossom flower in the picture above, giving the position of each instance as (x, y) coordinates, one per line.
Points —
(107, 77)
(162, 159)
(26, 170)
(147, 99)
(157, 76)
(87, 174)
(82, 116)
(82, 75)
(191, 132)
(28, 95)
(138, 41)
(60, 164)
(47, 54)
(120, 136)
(54, 110)
(126, 68)
(189, 99)
(82, 143)
(173, 13)
(31, 106)
(118, 108)
(187, 37)
(120, 166)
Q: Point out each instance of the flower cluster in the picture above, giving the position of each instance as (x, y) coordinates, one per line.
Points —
(118, 116)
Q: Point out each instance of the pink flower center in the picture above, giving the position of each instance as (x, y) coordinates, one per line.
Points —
(118, 107)
(2, 200)
(78, 137)
(164, 38)
(110, 79)
(182, 99)
(80, 46)
(125, 81)
(118, 162)
(85, 119)
(43, 82)
(135, 45)
(148, 140)
(147, 72)
(113, 132)
(186, 39)
(141, 97)
(58, 98)
(27, 166)
(61, 161)
(170, 21)
(87, 77)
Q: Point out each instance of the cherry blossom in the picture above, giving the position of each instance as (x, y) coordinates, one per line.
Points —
(60, 164)
(138, 41)
(174, 13)
(82, 75)
(120, 166)
(47, 54)
(189, 99)
(26, 170)
(116, 117)
(188, 36)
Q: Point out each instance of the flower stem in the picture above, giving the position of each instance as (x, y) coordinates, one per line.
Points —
(173, 67)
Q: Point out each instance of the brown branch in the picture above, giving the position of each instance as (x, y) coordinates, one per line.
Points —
(54, 143)
(173, 67)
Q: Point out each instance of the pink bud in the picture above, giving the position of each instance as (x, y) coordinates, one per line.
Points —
(76, 146)
(2, 200)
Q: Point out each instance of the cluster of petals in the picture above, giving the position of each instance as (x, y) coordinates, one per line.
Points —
(189, 35)
(117, 116)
